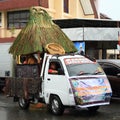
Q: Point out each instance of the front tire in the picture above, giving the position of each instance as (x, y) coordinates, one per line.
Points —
(23, 103)
(56, 107)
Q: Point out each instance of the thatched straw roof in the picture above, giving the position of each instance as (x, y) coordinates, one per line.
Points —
(39, 31)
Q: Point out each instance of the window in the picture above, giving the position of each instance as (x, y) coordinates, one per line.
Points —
(18, 19)
(111, 70)
(87, 7)
(66, 6)
(78, 69)
(43, 3)
(55, 68)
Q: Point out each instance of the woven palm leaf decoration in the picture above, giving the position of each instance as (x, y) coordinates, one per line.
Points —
(39, 31)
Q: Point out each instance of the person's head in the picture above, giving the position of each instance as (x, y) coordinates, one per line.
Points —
(81, 47)
(52, 66)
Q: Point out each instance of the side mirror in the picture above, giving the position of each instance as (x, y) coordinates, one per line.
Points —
(60, 71)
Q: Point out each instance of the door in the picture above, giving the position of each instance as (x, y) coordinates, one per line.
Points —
(112, 72)
(56, 82)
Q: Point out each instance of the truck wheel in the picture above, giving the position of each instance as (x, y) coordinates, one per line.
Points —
(56, 107)
(93, 109)
(23, 103)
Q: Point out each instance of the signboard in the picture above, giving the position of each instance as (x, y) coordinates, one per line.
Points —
(81, 60)
(80, 45)
(90, 90)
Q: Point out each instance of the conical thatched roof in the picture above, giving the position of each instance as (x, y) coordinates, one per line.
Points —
(39, 31)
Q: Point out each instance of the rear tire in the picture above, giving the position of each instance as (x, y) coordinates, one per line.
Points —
(56, 107)
(23, 103)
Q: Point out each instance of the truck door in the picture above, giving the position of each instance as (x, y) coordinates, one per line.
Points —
(56, 82)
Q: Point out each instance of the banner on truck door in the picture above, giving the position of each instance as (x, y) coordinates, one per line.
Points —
(90, 90)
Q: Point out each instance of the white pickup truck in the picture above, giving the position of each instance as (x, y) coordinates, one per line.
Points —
(80, 82)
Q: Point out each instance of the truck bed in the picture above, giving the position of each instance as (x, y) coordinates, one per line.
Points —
(19, 86)
(26, 81)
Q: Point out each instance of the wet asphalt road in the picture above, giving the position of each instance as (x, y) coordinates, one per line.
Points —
(10, 110)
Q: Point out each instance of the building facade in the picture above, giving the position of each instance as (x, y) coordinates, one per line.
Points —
(14, 14)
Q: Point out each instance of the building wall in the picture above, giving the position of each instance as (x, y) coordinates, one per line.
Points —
(55, 10)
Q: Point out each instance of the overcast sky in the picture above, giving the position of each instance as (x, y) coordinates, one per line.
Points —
(111, 8)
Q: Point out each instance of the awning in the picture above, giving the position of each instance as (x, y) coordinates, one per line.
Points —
(76, 23)
(90, 29)
(92, 34)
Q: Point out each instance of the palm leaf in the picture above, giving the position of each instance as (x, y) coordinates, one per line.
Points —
(40, 31)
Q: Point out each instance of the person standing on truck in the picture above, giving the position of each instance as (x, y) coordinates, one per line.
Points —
(30, 59)
(25, 60)
(52, 68)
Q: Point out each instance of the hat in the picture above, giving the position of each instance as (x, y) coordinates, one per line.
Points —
(54, 48)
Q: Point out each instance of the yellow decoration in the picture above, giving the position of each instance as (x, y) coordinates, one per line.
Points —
(54, 48)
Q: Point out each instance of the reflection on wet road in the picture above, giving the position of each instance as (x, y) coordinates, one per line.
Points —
(10, 110)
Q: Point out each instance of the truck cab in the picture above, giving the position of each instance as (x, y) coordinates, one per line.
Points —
(80, 82)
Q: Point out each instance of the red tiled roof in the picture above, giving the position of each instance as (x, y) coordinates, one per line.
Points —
(16, 4)
(5, 40)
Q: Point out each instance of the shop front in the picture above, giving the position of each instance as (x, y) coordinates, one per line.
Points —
(98, 37)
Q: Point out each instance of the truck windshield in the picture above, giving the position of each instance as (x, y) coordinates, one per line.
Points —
(84, 68)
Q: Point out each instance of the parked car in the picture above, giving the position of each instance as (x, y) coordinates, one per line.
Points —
(112, 69)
